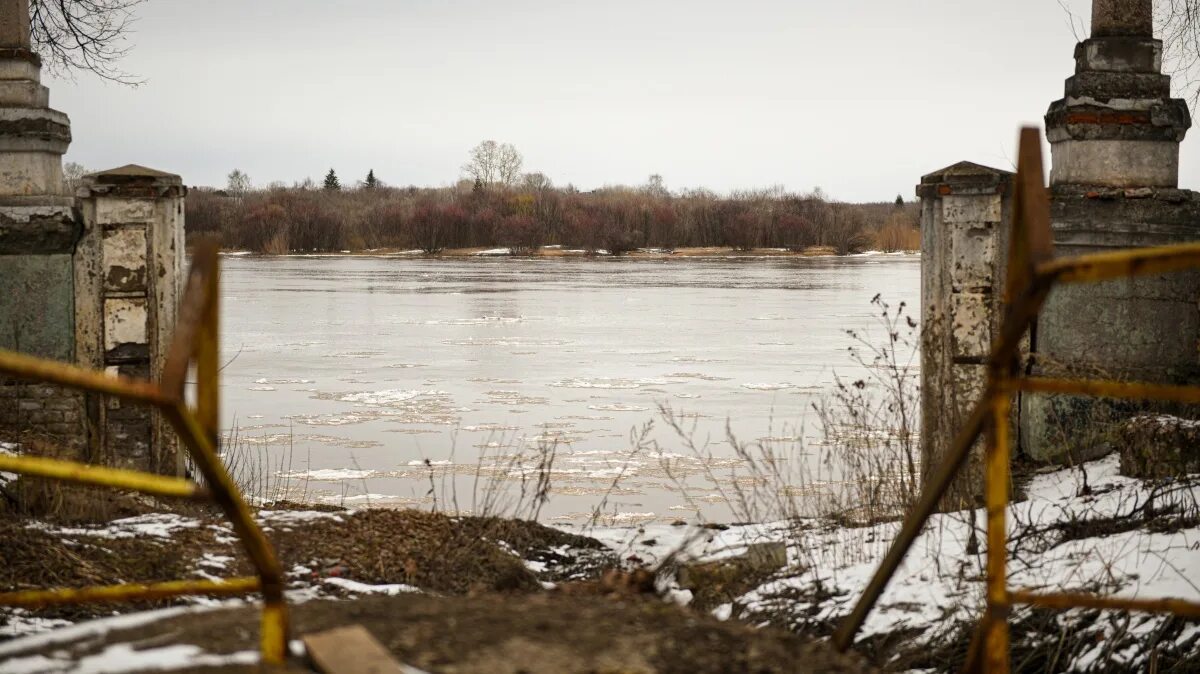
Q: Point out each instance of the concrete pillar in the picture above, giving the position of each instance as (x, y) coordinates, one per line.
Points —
(38, 233)
(129, 272)
(965, 212)
(1122, 17)
(1115, 139)
(14, 24)
(1117, 125)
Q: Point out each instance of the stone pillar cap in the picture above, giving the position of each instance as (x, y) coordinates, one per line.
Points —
(965, 177)
(131, 173)
(132, 181)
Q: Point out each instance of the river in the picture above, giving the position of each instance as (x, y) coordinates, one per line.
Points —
(450, 383)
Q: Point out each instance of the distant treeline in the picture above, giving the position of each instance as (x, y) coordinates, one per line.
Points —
(534, 213)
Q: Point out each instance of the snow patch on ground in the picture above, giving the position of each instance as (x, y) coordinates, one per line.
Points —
(124, 658)
(157, 525)
(939, 586)
(363, 588)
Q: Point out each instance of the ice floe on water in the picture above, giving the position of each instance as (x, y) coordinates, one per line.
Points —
(504, 341)
(696, 375)
(608, 383)
(482, 320)
(281, 382)
(490, 428)
(618, 407)
(506, 397)
(331, 474)
(261, 388)
(768, 387)
(387, 397)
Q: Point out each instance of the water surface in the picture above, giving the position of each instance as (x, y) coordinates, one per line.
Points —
(402, 381)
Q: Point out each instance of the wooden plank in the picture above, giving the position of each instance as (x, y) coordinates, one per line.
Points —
(350, 650)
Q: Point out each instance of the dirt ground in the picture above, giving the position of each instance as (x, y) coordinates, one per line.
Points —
(546, 633)
(481, 606)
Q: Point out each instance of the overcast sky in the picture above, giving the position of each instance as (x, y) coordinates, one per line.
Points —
(860, 98)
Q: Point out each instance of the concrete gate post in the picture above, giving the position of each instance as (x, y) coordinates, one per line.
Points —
(965, 216)
(1115, 140)
(129, 273)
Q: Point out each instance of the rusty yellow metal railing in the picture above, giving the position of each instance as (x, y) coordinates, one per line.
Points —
(195, 341)
(1031, 274)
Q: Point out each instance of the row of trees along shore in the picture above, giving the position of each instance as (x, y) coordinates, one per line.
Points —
(496, 206)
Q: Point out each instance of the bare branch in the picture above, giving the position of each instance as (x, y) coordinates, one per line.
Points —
(84, 35)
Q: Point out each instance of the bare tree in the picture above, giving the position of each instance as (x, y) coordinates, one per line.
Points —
(493, 163)
(1178, 24)
(73, 173)
(238, 183)
(83, 35)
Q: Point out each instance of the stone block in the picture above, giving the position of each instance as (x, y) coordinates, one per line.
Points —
(973, 210)
(1115, 163)
(23, 93)
(124, 322)
(110, 211)
(1119, 54)
(125, 255)
(37, 305)
(972, 257)
(970, 325)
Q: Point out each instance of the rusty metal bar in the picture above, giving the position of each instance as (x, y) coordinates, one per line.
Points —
(995, 634)
(1121, 264)
(71, 471)
(187, 325)
(38, 369)
(208, 385)
(258, 548)
(1108, 389)
(1066, 600)
(129, 592)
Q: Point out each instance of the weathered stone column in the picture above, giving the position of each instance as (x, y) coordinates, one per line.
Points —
(965, 211)
(38, 234)
(1117, 126)
(1115, 18)
(1115, 139)
(129, 272)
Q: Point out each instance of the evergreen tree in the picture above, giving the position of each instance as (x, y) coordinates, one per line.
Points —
(331, 181)
(899, 201)
(371, 182)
